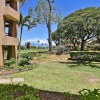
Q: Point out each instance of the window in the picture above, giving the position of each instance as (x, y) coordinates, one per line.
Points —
(11, 3)
(7, 2)
(7, 28)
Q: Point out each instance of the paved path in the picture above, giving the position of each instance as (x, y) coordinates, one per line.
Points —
(11, 80)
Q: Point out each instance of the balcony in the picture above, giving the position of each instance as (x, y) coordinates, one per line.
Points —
(11, 14)
(7, 40)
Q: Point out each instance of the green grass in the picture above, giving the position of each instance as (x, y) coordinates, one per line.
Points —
(63, 77)
(34, 50)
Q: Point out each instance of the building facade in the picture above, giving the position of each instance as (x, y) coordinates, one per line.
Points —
(9, 17)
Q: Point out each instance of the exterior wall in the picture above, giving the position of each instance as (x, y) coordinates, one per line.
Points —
(11, 14)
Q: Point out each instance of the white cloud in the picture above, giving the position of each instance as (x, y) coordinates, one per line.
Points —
(35, 41)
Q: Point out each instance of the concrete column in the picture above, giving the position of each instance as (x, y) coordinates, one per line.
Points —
(13, 29)
(11, 52)
(16, 54)
(13, 4)
(18, 6)
(3, 51)
(1, 56)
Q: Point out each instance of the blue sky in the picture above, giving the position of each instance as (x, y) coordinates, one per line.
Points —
(65, 7)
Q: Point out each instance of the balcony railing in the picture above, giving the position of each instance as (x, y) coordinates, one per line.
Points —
(7, 40)
(11, 14)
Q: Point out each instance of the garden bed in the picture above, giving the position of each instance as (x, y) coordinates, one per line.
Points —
(24, 92)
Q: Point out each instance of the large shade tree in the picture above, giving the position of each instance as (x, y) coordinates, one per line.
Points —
(81, 26)
(58, 38)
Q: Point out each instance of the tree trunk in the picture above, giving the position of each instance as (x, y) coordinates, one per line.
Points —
(49, 27)
(20, 44)
(49, 38)
(82, 45)
(74, 46)
(98, 40)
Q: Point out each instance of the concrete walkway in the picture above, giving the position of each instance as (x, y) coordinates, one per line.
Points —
(11, 80)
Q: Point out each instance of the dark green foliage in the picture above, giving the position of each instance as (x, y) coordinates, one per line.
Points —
(85, 55)
(23, 48)
(94, 47)
(23, 61)
(18, 92)
(24, 92)
(33, 47)
(79, 27)
(27, 67)
(97, 47)
(25, 58)
(60, 50)
(28, 56)
(86, 94)
(9, 62)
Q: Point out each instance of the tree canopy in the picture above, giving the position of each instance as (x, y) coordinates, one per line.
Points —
(80, 26)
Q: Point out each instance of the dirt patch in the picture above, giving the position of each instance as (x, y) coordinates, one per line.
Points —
(94, 80)
(50, 58)
(8, 72)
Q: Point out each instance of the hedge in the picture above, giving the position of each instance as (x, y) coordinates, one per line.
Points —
(85, 55)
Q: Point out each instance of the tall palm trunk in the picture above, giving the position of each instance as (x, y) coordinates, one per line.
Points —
(20, 44)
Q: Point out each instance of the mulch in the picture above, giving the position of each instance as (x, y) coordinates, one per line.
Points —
(46, 95)
(49, 95)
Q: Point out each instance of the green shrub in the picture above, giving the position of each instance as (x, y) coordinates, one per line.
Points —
(28, 56)
(85, 55)
(60, 50)
(23, 61)
(25, 58)
(27, 67)
(9, 62)
(24, 92)
(86, 94)
(96, 47)
(23, 48)
(18, 92)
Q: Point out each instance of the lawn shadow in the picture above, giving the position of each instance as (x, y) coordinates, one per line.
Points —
(94, 66)
(85, 63)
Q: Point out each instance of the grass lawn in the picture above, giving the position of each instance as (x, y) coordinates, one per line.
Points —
(63, 77)
(34, 50)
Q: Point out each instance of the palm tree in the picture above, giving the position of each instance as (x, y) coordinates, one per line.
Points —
(24, 21)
